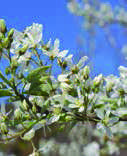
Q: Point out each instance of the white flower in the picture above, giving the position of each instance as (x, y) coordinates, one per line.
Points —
(98, 79)
(31, 37)
(111, 82)
(123, 71)
(55, 51)
(34, 34)
(17, 41)
(63, 78)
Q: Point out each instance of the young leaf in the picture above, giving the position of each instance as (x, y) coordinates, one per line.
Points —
(4, 92)
(37, 73)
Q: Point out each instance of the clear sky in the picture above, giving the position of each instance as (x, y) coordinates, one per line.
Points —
(58, 22)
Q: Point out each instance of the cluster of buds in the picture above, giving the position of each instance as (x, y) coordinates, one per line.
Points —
(109, 87)
(18, 114)
(24, 106)
(85, 73)
(4, 128)
(5, 42)
(97, 82)
(64, 82)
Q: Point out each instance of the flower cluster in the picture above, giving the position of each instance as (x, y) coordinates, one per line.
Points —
(41, 99)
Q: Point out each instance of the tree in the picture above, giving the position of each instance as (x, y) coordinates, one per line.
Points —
(73, 100)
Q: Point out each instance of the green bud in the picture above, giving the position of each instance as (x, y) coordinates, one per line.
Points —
(97, 80)
(86, 72)
(109, 87)
(26, 116)
(65, 86)
(3, 28)
(25, 106)
(18, 114)
(3, 128)
(10, 33)
(34, 109)
(1, 36)
(7, 43)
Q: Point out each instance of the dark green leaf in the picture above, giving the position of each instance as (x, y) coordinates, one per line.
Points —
(4, 92)
(37, 73)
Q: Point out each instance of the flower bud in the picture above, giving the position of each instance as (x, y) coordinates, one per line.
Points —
(10, 33)
(3, 128)
(86, 72)
(109, 87)
(14, 65)
(1, 36)
(97, 80)
(65, 86)
(26, 116)
(34, 109)
(3, 28)
(64, 78)
(25, 106)
(18, 114)
(6, 43)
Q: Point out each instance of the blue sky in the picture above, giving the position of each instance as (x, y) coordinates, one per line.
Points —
(58, 22)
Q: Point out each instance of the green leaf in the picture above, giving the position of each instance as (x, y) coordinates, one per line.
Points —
(3, 85)
(39, 88)
(37, 73)
(40, 82)
(4, 92)
(100, 105)
(5, 79)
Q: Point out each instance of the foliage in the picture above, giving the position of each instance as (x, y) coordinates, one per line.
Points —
(41, 99)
